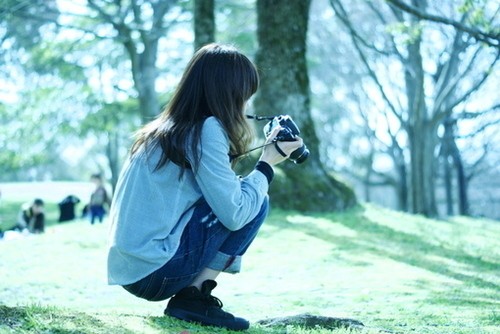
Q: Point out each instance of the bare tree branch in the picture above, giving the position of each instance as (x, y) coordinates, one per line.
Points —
(344, 19)
(480, 129)
(490, 38)
(472, 115)
(342, 15)
(385, 22)
(478, 83)
(444, 93)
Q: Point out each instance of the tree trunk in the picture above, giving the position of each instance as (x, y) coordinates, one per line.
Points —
(420, 130)
(462, 181)
(401, 184)
(446, 143)
(402, 187)
(281, 59)
(204, 23)
(448, 186)
(144, 73)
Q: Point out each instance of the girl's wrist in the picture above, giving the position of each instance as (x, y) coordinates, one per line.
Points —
(266, 169)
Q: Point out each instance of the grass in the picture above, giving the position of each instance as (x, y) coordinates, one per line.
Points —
(392, 271)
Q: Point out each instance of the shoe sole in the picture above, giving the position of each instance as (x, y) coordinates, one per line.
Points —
(193, 317)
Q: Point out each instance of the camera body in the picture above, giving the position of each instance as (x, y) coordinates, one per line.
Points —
(289, 131)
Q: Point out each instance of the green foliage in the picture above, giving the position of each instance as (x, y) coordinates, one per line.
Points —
(50, 57)
(236, 23)
(32, 129)
(18, 23)
(476, 16)
(110, 116)
(405, 32)
(22, 139)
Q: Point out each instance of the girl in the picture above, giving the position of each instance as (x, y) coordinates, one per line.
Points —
(180, 214)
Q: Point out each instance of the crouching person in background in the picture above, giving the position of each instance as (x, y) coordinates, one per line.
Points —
(31, 217)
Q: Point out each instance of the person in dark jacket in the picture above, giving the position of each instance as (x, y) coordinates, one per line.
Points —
(31, 217)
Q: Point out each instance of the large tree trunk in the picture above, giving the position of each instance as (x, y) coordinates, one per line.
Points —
(144, 74)
(420, 129)
(204, 23)
(281, 59)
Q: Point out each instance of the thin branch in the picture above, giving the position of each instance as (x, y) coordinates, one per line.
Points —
(474, 168)
(481, 129)
(385, 22)
(478, 84)
(490, 38)
(453, 82)
(342, 15)
(472, 115)
(371, 72)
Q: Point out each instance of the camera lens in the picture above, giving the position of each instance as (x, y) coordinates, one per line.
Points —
(299, 155)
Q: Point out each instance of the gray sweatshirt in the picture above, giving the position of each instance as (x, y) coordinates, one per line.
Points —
(151, 208)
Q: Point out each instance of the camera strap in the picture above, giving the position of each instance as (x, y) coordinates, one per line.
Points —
(279, 149)
(260, 118)
(275, 142)
(234, 156)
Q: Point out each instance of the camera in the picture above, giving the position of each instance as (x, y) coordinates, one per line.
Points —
(289, 131)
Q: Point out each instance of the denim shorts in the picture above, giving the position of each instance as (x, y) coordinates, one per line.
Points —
(205, 243)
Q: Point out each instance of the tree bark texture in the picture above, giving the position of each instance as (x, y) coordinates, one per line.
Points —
(204, 23)
(281, 59)
(420, 129)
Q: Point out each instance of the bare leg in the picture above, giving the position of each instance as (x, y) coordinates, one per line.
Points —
(205, 274)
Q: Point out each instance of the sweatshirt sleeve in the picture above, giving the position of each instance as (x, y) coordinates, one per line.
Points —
(235, 201)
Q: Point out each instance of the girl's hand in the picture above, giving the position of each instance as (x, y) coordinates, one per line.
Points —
(271, 155)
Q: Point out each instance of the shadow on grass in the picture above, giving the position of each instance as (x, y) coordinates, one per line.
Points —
(399, 246)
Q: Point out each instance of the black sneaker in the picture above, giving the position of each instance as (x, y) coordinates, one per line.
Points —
(193, 305)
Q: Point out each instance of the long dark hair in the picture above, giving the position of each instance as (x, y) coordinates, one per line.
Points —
(217, 82)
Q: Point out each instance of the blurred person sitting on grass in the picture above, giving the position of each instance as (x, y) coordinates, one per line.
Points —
(31, 217)
(180, 214)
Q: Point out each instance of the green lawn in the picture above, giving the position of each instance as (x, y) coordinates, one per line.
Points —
(391, 271)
